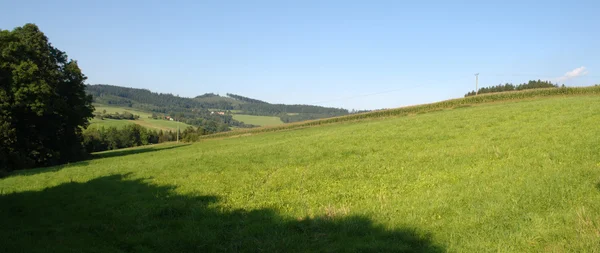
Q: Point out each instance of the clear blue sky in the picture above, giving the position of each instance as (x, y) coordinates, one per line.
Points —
(351, 54)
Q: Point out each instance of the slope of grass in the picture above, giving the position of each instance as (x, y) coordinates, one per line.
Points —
(144, 120)
(506, 177)
(258, 120)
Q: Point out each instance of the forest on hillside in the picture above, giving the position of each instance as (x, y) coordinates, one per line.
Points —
(189, 109)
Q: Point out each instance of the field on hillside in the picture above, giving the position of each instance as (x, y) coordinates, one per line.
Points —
(144, 120)
(519, 176)
(258, 120)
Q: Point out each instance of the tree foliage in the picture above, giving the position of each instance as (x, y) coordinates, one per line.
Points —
(43, 104)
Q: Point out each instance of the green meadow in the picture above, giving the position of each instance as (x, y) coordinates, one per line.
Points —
(509, 176)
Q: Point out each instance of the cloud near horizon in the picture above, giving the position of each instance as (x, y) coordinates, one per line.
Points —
(581, 71)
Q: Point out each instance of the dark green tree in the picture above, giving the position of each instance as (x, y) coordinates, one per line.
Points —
(43, 104)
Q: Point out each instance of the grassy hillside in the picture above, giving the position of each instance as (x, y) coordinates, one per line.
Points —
(518, 176)
(144, 120)
(258, 120)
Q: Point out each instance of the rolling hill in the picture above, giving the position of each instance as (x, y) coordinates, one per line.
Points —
(515, 172)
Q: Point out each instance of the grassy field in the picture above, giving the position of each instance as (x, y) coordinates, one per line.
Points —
(144, 120)
(258, 120)
(519, 176)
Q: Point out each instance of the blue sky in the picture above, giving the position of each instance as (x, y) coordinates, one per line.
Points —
(351, 54)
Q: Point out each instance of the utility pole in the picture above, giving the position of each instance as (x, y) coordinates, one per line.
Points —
(476, 83)
(177, 130)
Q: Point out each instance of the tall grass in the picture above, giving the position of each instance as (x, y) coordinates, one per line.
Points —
(416, 109)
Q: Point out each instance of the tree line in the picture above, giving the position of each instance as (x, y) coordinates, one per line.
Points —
(96, 139)
(132, 135)
(532, 84)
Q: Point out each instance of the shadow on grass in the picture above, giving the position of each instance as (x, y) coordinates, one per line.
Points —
(116, 214)
(131, 151)
(29, 172)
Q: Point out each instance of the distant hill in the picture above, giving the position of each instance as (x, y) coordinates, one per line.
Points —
(203, 105)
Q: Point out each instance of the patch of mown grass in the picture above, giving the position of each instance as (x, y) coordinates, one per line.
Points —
(511, 177)
(258, 120)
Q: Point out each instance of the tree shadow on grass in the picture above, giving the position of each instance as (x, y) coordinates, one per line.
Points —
(104, 154)
(116, 214)
(29, 172)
